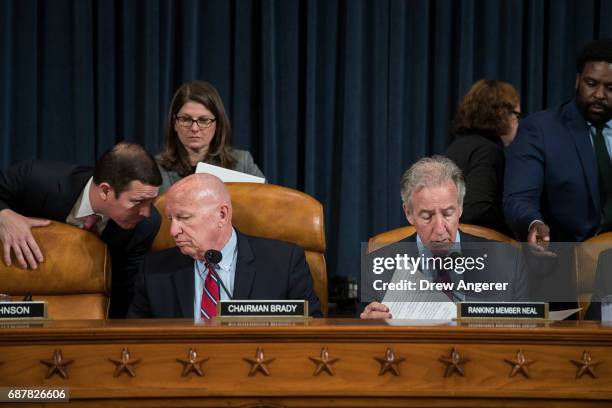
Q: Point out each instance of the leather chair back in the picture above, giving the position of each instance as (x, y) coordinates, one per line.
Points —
(271, 211)
(74, 279)
(395, 235)
(587, 254)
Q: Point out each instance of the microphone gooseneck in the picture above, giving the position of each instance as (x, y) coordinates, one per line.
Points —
(213, 257)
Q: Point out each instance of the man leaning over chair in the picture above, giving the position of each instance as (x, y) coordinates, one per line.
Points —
(432, 192)
(179, 283)
(112, 200)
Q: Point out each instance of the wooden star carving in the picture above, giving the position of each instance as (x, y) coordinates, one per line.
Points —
(389, 363)
(323, 362)
(193, 363)
(125, 363)
(520, 364)
(260, 363)
(586, 365)
(57, 365)
(454, 362)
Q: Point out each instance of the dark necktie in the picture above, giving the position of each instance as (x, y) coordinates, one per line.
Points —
(210, 295)
(442, 276)
(604, 167)
(90, 222)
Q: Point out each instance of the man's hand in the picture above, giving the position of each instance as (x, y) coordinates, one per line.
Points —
(376, 310)
(538, 239)
(16, 234)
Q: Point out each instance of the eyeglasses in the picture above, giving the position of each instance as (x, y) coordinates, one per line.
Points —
(518, 114)
(203, 123)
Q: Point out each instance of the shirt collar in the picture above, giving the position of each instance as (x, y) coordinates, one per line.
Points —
(84, 208)
(227, 253)
(424, 250)
(608, 125)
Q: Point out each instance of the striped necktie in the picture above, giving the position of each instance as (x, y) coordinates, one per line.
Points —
(210, 294)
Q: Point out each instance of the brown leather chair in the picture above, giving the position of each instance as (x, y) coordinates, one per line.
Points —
(74, 279)
(270, 211)
(395, 235)
(587, 254)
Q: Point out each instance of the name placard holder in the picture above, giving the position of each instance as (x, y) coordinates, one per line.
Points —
(31, 310)
(262, 309)
(502, 311)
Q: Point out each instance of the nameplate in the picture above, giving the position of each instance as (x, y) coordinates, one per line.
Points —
(502, 310)
(262, 308)
(23, 310)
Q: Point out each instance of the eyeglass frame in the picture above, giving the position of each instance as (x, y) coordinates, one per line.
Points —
(197, 121)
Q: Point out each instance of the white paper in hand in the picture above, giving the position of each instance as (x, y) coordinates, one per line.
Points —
(227, 175)
(417, 304)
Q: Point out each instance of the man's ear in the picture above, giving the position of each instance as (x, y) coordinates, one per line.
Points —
(106, 191)
(225, 215)
(408, 213)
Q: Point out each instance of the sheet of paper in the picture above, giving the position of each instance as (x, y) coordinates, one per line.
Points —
(227, 175)
(557, 315)
(418, 304)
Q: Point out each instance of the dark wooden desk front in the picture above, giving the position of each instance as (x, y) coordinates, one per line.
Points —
(555, 359)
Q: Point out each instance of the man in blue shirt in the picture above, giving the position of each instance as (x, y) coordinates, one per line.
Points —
(432, 193)
(181, 282)
(558, 178)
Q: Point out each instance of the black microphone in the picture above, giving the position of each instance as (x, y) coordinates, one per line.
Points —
(213, 257)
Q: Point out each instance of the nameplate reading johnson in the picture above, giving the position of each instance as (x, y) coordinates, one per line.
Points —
(23, 310)
(263, 308)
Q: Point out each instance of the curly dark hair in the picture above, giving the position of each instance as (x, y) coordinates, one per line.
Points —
(484, 108)
(598, 50)
(174, 156)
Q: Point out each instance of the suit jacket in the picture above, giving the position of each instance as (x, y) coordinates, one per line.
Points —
(265, 269)
(48, 189)
(551, 175)
(504, 264)
(481, 159)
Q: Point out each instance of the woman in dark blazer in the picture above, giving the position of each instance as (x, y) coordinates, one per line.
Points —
(486, 122)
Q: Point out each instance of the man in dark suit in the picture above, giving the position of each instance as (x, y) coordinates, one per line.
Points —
(558, 178)
(432, 193)
(178, 282)
(112, 200)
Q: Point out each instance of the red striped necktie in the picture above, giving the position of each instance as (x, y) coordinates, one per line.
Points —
(210, 294)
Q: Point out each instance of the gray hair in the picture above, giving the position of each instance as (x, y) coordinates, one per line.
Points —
(431, 172)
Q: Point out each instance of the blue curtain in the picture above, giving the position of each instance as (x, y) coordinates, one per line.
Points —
(333, 97)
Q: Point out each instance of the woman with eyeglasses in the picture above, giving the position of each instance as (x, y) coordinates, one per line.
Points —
(486, 122)
(198, 130)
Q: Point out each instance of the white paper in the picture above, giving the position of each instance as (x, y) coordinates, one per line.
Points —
(423, 310)
(418, 304)
(227, 175)
(557, 315)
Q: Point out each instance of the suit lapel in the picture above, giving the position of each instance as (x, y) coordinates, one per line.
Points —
(245, 269)
(582, 140)
(184, 283)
